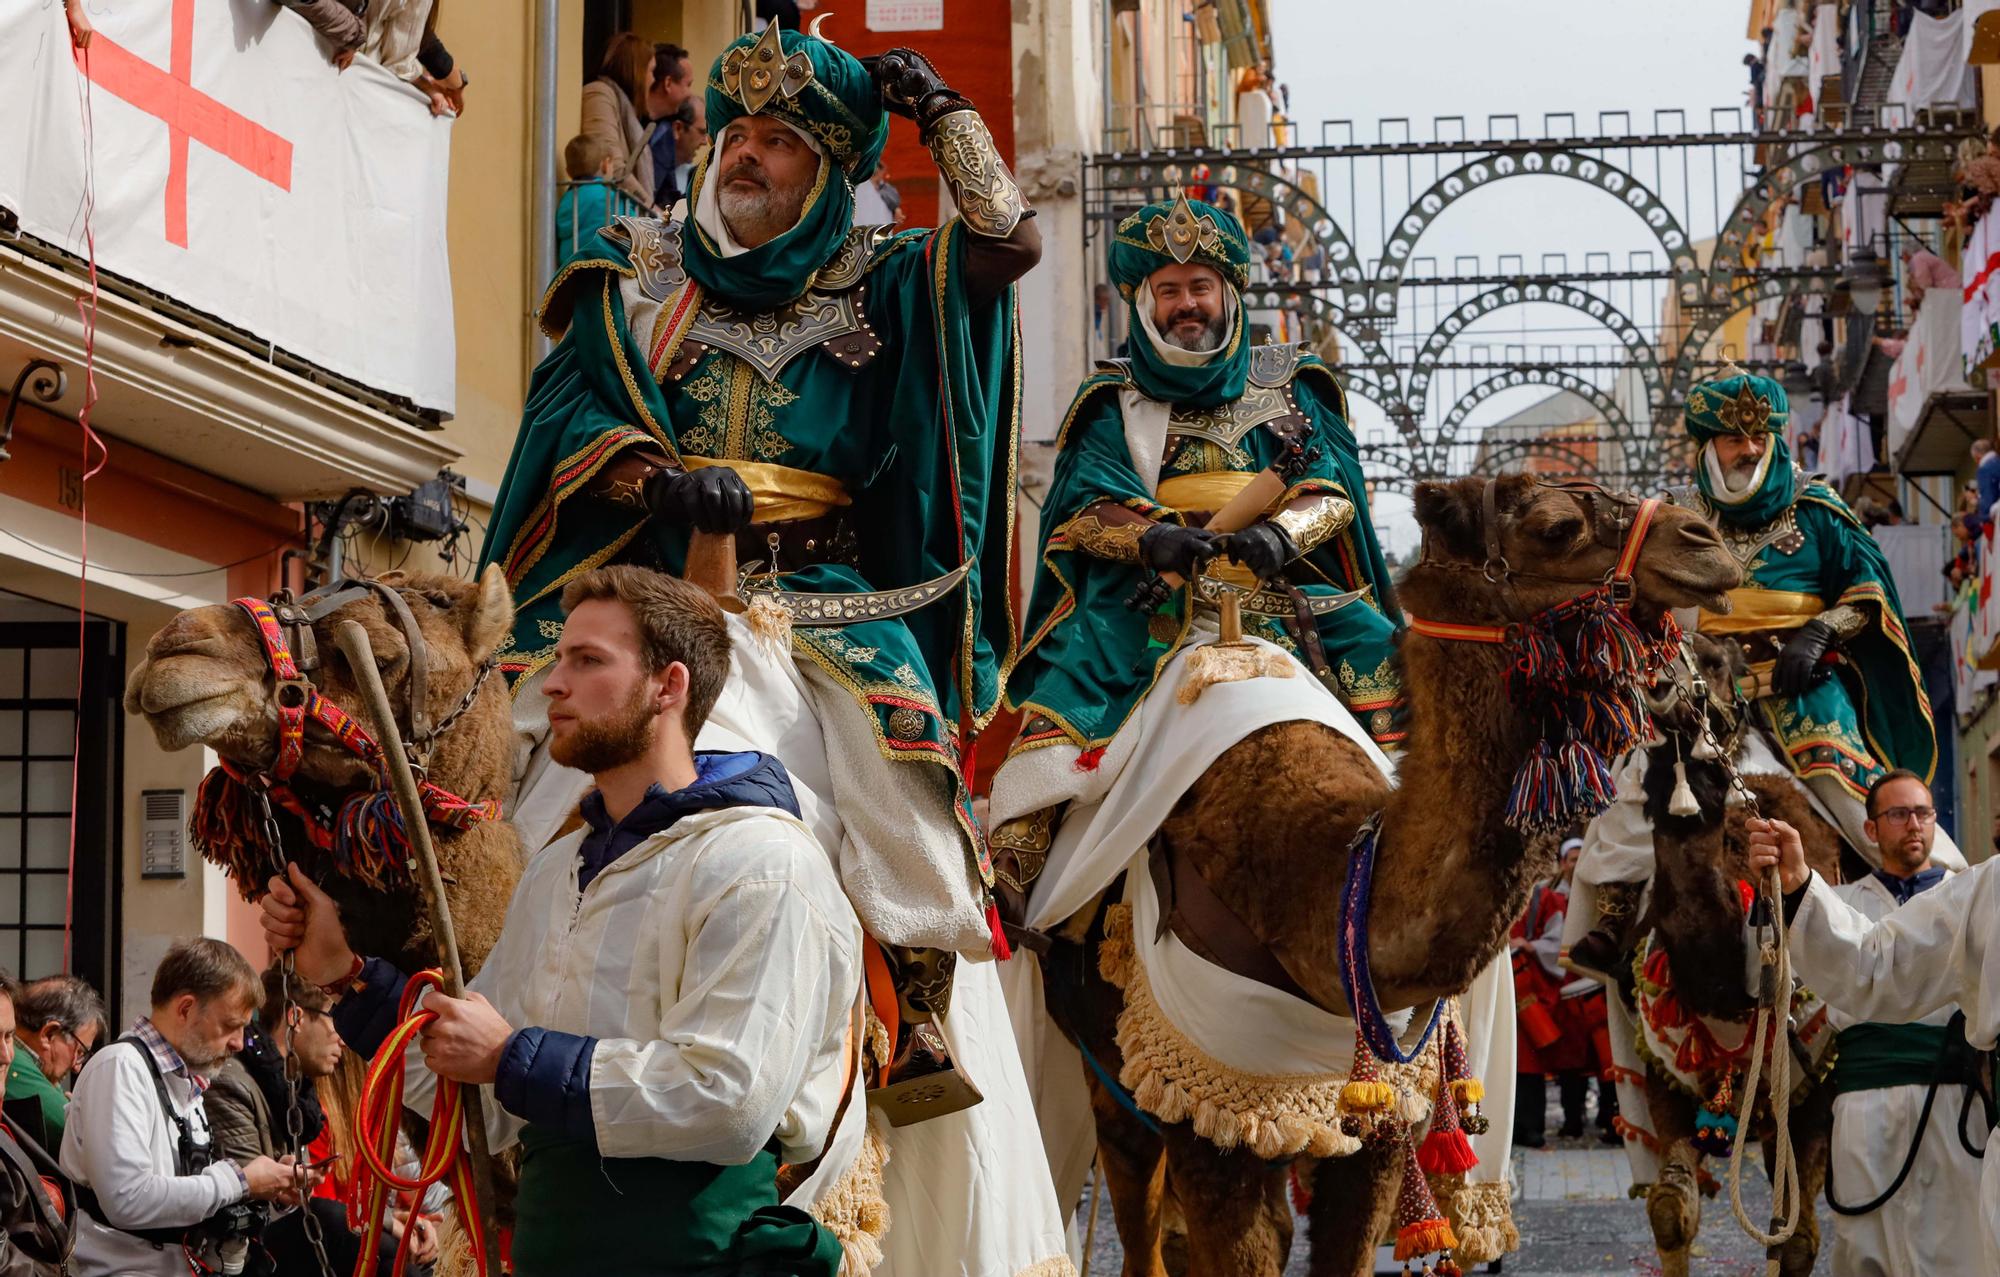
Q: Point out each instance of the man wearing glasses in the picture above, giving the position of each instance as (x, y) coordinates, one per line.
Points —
(60, 1018)
(1910, 1115)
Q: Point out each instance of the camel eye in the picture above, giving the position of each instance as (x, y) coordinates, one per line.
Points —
(1562, 531)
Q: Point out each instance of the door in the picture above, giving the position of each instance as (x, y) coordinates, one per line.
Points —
(59, 754)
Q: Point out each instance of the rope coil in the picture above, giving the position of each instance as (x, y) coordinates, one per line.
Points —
(377, 1122)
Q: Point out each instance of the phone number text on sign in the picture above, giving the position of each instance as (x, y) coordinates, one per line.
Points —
(905, 15)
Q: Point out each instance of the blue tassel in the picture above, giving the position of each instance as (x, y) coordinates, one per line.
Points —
(370, 842)
(1714, 1133)
(1536, 800)
(1588, 785)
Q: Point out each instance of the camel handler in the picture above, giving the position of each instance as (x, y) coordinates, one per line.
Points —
(1152, 447)
(668, 1014)
(1838, 695)
(1914, 960)
(842, 401)
(1904, 1183)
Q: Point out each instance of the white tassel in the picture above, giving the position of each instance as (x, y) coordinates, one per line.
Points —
(1704, 749)
(1682, 802)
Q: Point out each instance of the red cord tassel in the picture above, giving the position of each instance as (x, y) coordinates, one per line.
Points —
(1001, 949)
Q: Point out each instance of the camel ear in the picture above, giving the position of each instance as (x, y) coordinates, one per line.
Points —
(1450, 513)
(490, 615)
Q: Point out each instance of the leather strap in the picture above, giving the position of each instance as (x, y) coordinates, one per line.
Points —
(1192, 910)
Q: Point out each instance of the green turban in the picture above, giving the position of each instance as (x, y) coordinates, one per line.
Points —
(1741, 403)
(805, 81)
(1183, 232)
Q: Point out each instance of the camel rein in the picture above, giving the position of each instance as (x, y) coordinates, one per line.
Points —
(1769, 1028)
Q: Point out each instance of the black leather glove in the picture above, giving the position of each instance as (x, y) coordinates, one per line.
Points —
(1263, 548)
(711, 499)
(911, 87)
(1169, 547)
(1799, 666)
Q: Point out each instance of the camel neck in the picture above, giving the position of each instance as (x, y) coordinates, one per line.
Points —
(1449, 863)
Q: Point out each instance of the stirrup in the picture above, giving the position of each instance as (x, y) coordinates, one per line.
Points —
(929, 1082)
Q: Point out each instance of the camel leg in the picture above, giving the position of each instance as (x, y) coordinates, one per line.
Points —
(1673, 1205)
(1353, 1200)
(1239, 1222)
(1133, 1159)
(1812, 1135)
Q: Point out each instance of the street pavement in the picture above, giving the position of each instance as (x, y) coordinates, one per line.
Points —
(1574, 1217)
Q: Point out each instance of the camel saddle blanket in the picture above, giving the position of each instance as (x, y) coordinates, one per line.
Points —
(1116, 801)
(1249, 1065)
(1696, 1052)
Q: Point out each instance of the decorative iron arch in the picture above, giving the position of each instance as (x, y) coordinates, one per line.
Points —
(1582, 465)
(1485, 171)
(1776, 183)
(1553, 378)
(1615, 321)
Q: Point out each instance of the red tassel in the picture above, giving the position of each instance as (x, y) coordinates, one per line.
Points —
(1421, 1226)
(1001, 949)
(1089, 759)
(1302, 1193)
(1746, 892)
(1446, 1152)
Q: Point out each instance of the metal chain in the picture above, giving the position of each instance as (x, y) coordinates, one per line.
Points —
(295, 1116)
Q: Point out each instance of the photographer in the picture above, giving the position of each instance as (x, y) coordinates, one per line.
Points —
(148, 1182)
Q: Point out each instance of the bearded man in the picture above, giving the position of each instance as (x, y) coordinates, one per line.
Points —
(843, 401)
(1838, 698)
(1151, 448)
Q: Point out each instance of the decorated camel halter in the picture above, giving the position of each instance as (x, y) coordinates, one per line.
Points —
(232, 823)
(1577, 665)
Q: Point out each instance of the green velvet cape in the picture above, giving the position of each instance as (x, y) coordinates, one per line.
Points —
(924, 438)
(1088, 660)
(1872, 715)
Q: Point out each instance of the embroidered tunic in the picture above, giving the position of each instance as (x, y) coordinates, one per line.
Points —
(1088, 660)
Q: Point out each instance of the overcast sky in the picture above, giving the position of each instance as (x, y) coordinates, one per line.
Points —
(1421, 59)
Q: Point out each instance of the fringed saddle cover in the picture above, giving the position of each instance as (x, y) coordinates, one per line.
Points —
(1699, 1053)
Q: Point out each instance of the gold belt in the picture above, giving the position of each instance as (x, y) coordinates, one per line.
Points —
(782, 494)
(1752, 609)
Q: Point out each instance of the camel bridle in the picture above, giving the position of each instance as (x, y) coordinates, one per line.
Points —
(365, 833)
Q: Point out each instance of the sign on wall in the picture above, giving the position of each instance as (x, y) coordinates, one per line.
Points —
(906, 15)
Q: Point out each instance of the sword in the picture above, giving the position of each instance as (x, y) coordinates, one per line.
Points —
(1239, 512)
(830, 608)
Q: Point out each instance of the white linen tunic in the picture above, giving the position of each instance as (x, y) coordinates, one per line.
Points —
(717, 963)
(1923, 956)
(1931, 1225)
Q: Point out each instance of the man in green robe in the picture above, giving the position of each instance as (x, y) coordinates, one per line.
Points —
(844, 402)
(1838, 693)
(1150, 449)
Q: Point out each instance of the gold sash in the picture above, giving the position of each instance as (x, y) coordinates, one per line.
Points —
(782, 494)
(1203, 493)
(1754, 609)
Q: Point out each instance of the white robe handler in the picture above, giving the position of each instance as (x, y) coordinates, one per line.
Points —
(1930, 1224)
(1934, 950)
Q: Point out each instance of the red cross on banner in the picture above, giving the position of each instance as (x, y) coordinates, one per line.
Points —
(1899, 387)
(188, 113)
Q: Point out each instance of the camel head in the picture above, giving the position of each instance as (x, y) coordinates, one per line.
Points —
(1554, 542)
(206, 679)
(1703, 684)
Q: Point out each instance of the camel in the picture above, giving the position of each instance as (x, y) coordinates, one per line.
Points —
(1696, 918)
(1269, 826)
(206, 680)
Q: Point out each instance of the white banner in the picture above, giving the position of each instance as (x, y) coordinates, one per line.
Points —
(1932, 70)
(238, 173)
(1929, 364)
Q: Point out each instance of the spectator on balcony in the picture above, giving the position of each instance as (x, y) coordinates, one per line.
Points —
(592, 197)
(611, 113)
(669, 89)
(400, 34)
(1924, 270)
(1986, 474)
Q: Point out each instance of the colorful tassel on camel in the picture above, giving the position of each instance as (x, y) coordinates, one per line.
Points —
(1421, 1227)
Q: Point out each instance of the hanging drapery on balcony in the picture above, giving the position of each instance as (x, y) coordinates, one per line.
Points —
(238, 174)
(1824, 59)
(1932, 71)
(1979, 319)
(1929, 364)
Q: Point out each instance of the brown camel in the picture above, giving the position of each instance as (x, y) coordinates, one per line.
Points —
(1696, 918)
(1267, 830)
(206, 681)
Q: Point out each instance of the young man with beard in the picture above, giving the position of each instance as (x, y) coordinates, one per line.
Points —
(1837, 693)
(1151, 448)
(151, 1186)
(666, 1017)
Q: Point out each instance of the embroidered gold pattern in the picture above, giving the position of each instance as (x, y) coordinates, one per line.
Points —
(1845, 620)
(1314, 525)
(738, 415)
(1382, 682)
(1115, 541)
(989, 202)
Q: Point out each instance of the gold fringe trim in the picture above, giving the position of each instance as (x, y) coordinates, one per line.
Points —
(1220, 663)
(1483, 1219)
(1056, 1266)
(771, 622)
(454, 1249)
(854, 1209)
(1273, 1116)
